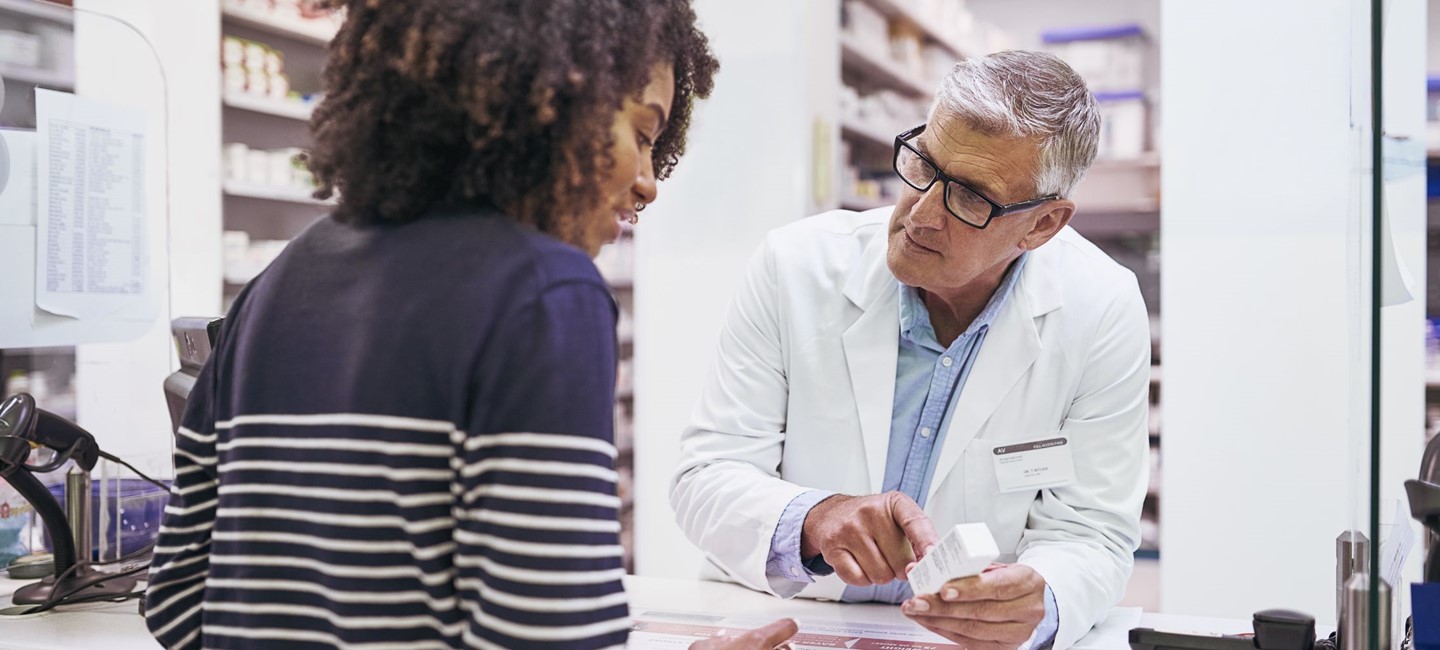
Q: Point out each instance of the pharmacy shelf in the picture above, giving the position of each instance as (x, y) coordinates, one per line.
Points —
(1140, 207)
(879, 70)
(42, 10)
(284, 194)
(866, 134)
(905, 11)
(40, 352)
(37, 76)
(316, 32)
(1149, 160)
(267, 106)
(1432, 378)
(1092, 220)
(859, 204)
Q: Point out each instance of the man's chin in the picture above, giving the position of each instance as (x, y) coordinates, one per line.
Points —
(900, 265)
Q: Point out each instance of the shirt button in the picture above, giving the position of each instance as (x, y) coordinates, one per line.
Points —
(925, 432)
(945, 361)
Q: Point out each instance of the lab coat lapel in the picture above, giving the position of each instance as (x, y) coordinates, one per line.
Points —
(1010, 348)
(871, 346)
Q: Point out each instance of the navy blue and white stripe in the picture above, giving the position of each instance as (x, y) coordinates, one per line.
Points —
(404, 440)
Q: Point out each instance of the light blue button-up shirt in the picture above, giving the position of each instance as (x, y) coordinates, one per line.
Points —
(928, 381)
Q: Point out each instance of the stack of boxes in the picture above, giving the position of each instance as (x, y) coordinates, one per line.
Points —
(245, 258)
(40, 46)
(300, 12)
(1112, 60)
(254, 68)
(282, 169)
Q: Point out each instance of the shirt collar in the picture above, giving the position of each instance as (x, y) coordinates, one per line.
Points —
(915, 318)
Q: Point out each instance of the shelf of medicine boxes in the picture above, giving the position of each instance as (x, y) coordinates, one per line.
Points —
(37, 76)
(279, 108)
(861, 204)
(863, 133)
(317, 32)
(879, 70)
(285, 194)
(42, 10)
(906, 13)
(1119, 196)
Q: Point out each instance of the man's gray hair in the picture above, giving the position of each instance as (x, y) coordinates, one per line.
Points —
(1028, 95)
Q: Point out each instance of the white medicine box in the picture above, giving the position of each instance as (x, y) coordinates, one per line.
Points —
(1111, 58)
(1124, 125)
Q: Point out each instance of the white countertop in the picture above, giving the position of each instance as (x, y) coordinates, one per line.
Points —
(118, 626)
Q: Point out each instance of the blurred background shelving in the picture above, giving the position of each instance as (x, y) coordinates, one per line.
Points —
(37, 48)
(271, 57)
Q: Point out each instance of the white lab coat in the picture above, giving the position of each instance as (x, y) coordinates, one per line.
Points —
(802, 392)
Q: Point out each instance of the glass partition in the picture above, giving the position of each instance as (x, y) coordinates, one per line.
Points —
(84, 238)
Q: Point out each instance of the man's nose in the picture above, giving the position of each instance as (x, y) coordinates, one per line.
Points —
(930, 211)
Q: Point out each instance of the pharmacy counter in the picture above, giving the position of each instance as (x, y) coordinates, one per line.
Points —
(666, 611)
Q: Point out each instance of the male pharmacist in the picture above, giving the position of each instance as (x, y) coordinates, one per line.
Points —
(964, 357)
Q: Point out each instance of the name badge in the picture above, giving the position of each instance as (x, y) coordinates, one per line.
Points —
(1035, 464)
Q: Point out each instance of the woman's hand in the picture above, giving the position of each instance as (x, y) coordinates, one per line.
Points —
(760, 638)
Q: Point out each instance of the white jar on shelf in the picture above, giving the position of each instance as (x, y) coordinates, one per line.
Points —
(237, 162)
(869, 27)
(236, 265)
(1124, 124)
(19, 48)
(1110, 58)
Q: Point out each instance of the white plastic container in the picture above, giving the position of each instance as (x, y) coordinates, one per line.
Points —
(1124, 124)
(19, 48)
(868, 26)
(1111, 58)
(237, 162)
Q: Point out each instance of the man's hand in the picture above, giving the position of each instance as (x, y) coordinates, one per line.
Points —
(868, 540)
(760, 638)
(996, 610)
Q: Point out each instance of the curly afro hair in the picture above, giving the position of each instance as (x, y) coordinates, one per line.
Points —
(511, 102)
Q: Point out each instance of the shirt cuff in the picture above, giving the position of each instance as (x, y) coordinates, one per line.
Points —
(784, 559)
(1044, 636)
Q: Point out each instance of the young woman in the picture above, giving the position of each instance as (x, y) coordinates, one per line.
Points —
(404, 438)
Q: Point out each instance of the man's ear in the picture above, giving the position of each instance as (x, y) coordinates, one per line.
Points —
(1053, 217)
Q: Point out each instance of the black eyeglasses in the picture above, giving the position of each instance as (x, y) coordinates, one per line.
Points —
(964, 202)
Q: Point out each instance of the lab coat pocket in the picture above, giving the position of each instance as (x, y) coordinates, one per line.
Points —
(1005, 512)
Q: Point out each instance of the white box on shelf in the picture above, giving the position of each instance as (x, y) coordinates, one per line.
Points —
(1110, 58)
(867, 25)
(938, 62)
(19, 48)
(905, 50)
(257, 167)
(282, 167)
(1124, 124)
(237, 162)
(232, 52)
(279, 87)
(57, 48)
(255, 54)
(236, 247)
(234, 80)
